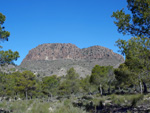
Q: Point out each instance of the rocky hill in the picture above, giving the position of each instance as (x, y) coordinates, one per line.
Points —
(57, 58)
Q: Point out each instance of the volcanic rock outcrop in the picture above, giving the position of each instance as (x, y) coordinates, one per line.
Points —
(57, 58)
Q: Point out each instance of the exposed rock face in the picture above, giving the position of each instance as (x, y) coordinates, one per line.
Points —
(54, 52)
(56, 58)
(59, 51)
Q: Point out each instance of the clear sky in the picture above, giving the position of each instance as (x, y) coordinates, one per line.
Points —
(84, 23)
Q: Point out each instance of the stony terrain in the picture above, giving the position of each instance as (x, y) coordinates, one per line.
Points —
(57, 58)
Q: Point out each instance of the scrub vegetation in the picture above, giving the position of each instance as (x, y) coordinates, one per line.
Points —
(124, 89)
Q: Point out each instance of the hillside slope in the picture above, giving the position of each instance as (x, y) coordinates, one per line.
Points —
(57, 58)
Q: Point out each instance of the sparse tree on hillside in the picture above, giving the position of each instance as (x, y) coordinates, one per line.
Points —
(25, 82)
(2, 85)
(124, 77)
(85, 84)
(7, 85)
(100, 77)
(111, 78)
(71, 84)
(71, 74)
(50, 85)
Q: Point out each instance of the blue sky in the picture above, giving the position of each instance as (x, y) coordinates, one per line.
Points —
(84, 23)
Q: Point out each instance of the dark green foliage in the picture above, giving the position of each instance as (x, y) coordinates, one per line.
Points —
(136, 99)
(50, 85)
(6, 56)
(123, 76)
(85, 86)
(3, 34)
(98, 73)
(136, 68)
(7, 84)
(71, 83)
(138, 22)
(136, 51)
(137, 61)
(101, 75)
(25, 82)
(71, 74)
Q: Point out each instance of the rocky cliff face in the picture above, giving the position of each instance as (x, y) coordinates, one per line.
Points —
(59, 51)
(56, 58)
(54, 52)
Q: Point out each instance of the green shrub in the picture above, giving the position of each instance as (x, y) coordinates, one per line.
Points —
(117, 99)
(39, 108)
(135, 99)
(18, 106)
(67, 107)
(126, 100)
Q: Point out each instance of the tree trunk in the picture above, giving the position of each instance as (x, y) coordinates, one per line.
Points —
(100, 88)
(49, 96)
(26, 95)
(119, 89)
(141, 87)
(145, 88)
(109, 89)
(134, 89)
